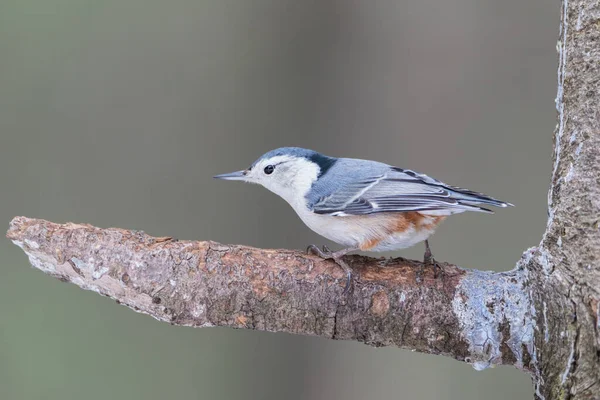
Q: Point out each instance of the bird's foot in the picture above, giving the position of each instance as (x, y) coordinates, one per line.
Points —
(336, 256)
(324, 254)
(429, 260)
(437, 268)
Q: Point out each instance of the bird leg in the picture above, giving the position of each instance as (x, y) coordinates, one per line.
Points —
(336, 256)
(429, 260)
(428, 256)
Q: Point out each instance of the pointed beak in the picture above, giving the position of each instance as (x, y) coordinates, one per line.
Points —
(233, 176)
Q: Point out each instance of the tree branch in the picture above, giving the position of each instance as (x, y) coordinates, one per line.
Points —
(478, 317)
(542, 317)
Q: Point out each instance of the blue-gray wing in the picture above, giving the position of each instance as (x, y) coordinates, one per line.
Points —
(357, 187)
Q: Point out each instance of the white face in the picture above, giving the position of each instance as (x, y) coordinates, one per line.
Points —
(291, 177)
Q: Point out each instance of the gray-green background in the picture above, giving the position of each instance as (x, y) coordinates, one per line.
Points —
(118, 112)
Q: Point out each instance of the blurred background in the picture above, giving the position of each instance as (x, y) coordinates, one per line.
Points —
(119, 112)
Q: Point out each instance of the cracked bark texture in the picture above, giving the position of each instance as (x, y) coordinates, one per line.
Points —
(473, 316)
(542, 317)
(566, 288)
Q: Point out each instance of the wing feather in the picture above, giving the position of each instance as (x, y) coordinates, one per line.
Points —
(399, 190)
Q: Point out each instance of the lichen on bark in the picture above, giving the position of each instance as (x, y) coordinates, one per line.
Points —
(542, 317)
(566, 288)
(458, 312)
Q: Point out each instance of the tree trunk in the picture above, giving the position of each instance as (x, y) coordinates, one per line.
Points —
(542, 317)
(565, 269)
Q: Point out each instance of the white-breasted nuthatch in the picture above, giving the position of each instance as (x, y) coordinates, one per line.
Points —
(360, 204)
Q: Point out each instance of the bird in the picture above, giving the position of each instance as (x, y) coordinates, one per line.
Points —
(360, 204)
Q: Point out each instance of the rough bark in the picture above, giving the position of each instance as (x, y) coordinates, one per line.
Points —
(479, 317)
(543, 316)
(566, 288)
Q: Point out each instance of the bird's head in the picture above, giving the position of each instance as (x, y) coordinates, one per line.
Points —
(288, 172)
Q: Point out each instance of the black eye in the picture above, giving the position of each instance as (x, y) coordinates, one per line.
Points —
(269, 169)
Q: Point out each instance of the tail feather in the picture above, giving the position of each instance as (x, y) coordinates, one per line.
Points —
(471, 198)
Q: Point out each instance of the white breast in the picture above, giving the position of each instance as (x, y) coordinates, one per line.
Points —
(353, 231)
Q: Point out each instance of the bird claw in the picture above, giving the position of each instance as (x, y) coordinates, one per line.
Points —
(429, 260)
(436, 269)
(327, 254)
